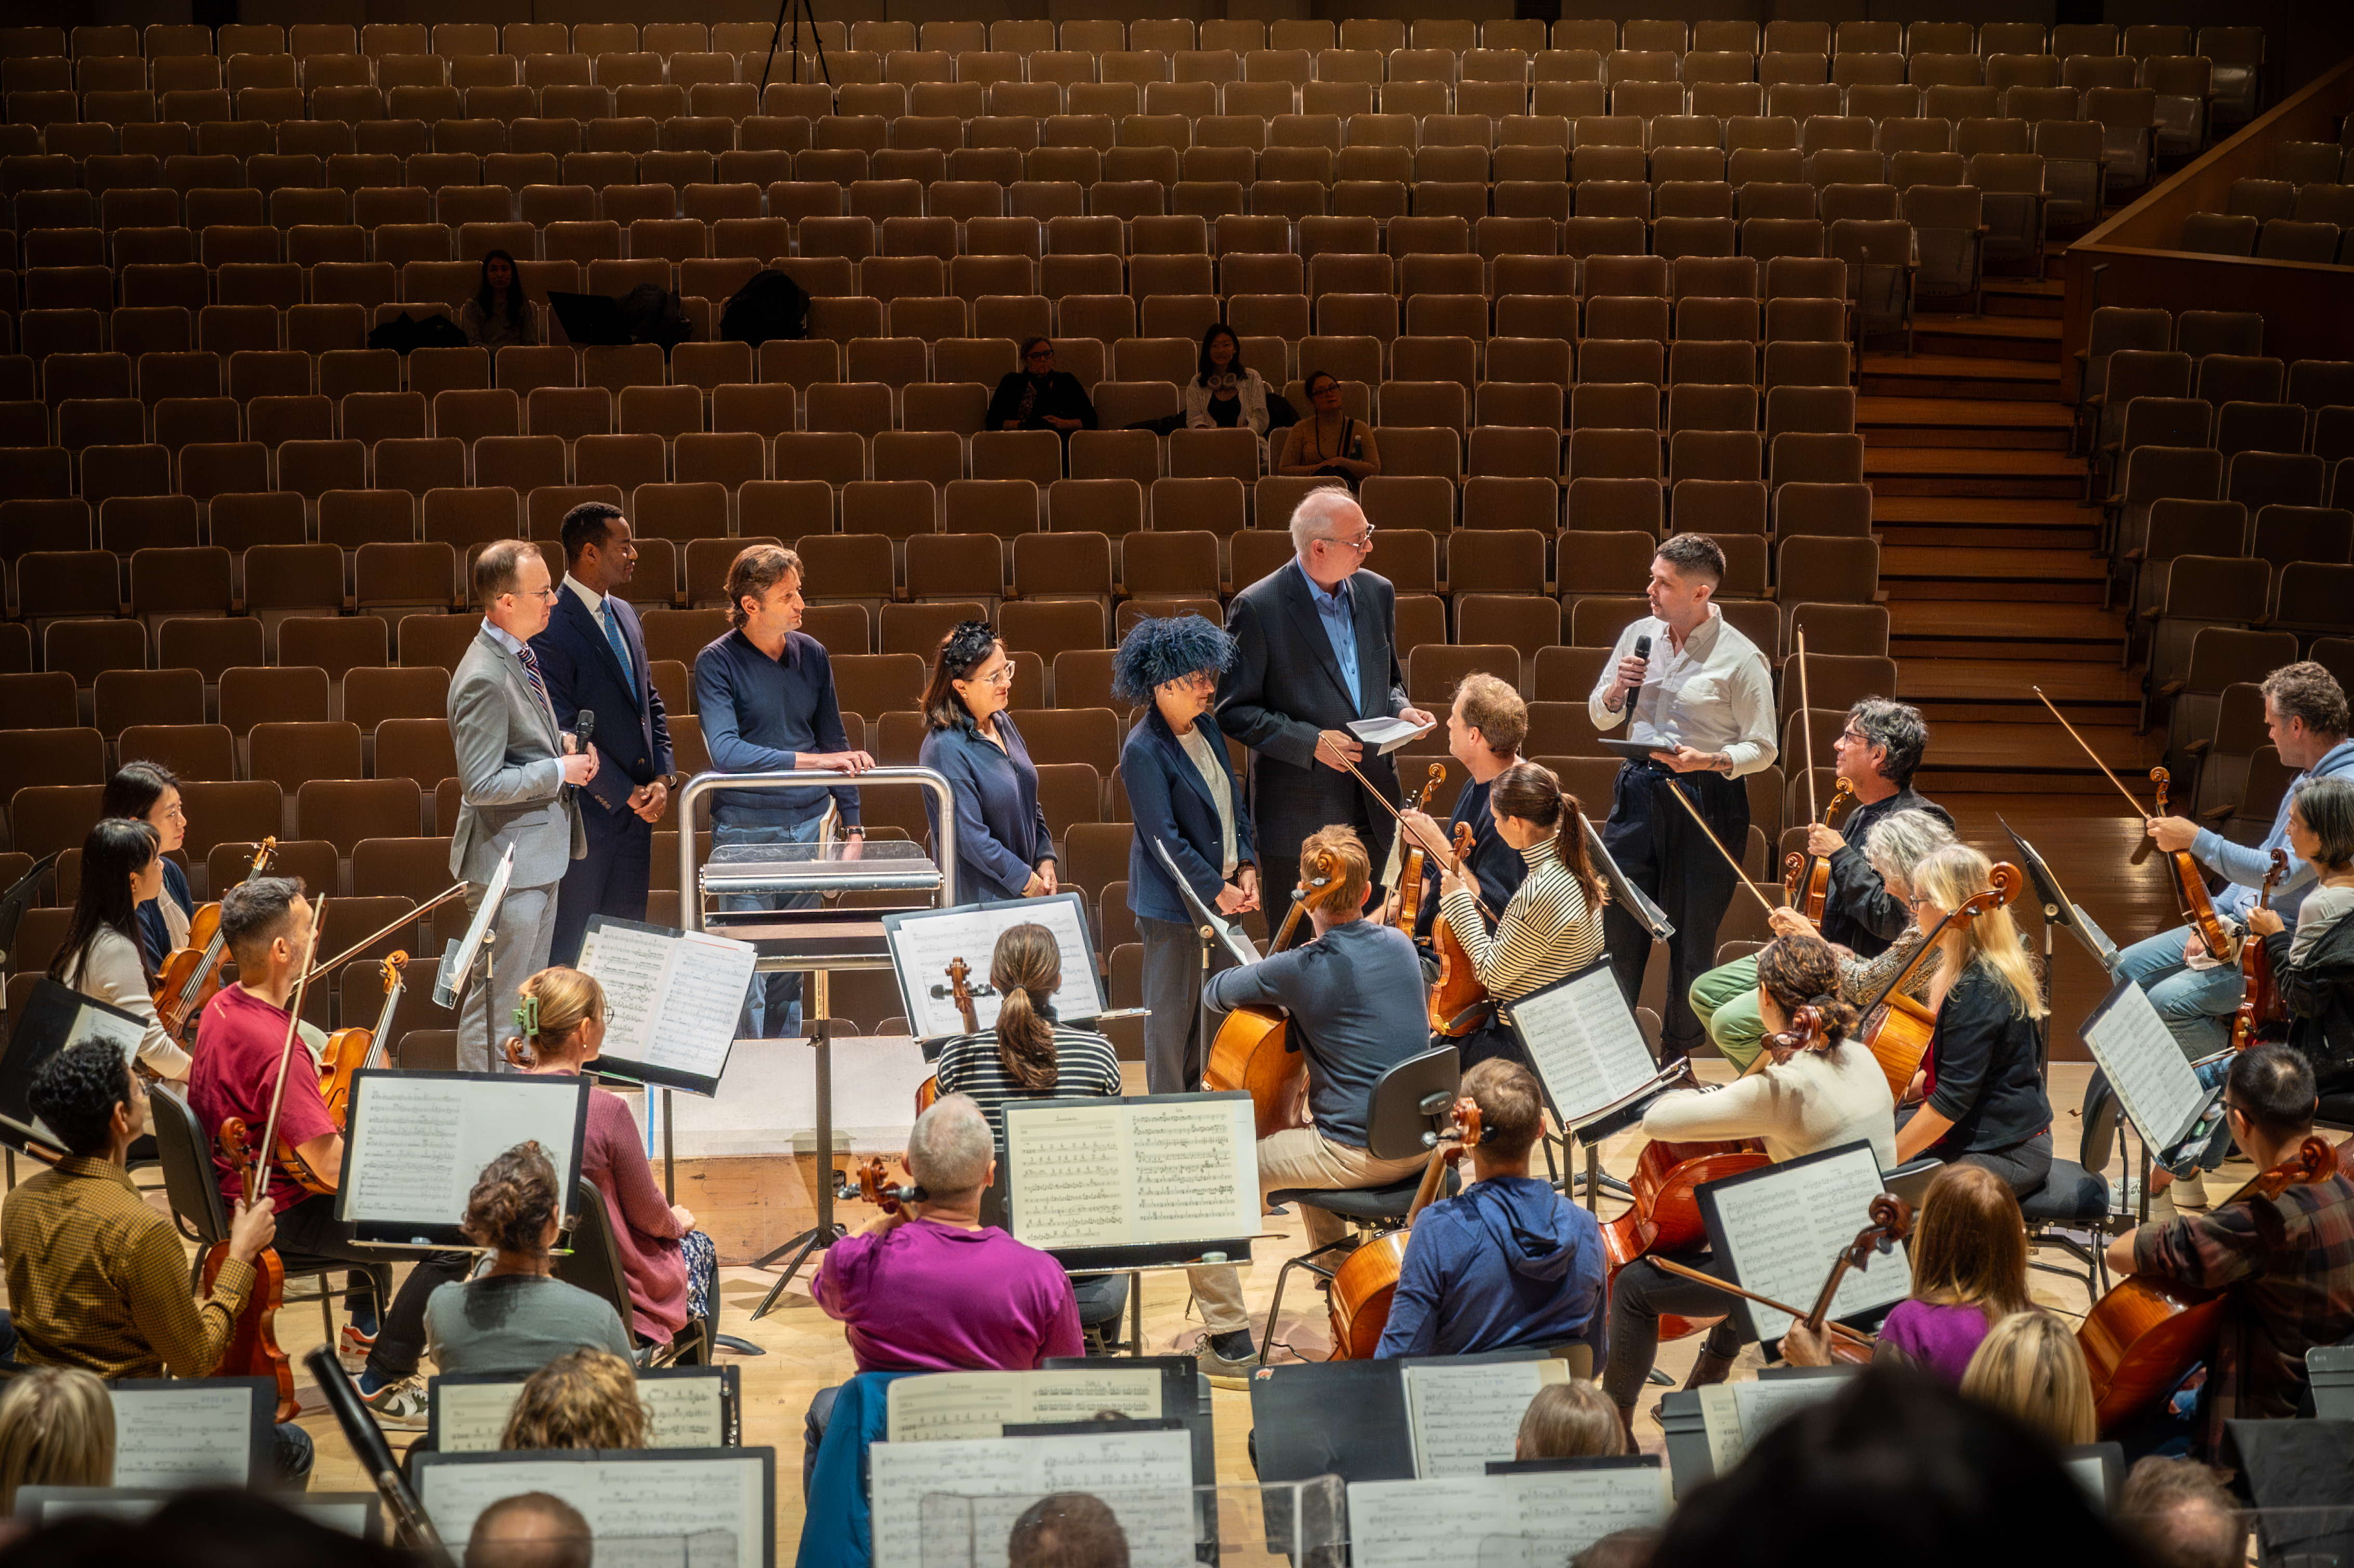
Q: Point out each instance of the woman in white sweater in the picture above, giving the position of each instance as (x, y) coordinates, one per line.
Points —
(1805, 1100)
(121, 868)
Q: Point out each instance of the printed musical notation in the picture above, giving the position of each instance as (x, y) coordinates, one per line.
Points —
(971, 1491)
(707, 1511)
(1735, 1415)
(1461, 1418)
(675, 995)
(939, 1405)
(682, 1412)
(924, 944)
(418, 1143)
(1584, 1044)
(1783, 1227)
(1124, 1173)
(1542, 1517)
(2156, 1086)
(194, 1435)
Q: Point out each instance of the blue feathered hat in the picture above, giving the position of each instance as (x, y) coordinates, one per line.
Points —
(1160, 649)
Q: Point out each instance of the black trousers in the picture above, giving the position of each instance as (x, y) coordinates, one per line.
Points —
(310, 1226)
(1278, 834)
(611, 879)
(1664, 852)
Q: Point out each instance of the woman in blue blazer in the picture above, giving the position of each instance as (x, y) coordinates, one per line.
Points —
(1182, 793)
(1003, 849)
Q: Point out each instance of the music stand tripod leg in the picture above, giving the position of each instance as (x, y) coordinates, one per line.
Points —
(825, 1233)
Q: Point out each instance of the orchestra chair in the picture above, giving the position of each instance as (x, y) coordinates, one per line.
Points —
(202, 1213)
(2075, 1197)
(594, 1264)
(1410, 1107)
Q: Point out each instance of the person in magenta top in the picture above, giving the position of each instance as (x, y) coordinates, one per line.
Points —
(671, 1268)
(1969, 1254)
(930, 1289)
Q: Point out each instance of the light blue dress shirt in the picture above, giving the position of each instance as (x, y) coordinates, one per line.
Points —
(1338, 611)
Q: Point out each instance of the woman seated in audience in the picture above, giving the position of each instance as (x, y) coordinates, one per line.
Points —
(56, 1429)
(2030, 1366)
(498, 315)
(1573, 1420)
(149, 793)
(1224, 395)
(1329, 443)
(100, 956)
(588, 1399)
(1038, 396)
(1978, 1098)
(673, 1268)
(2314, 968)
(1969, 1254)
(1028, 1054)
(518, 1317)
(1003, 849)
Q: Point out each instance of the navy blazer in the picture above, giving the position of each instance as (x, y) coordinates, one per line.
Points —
(1285, 685)
(578, 664)
(1169, 801)
(1001, 827)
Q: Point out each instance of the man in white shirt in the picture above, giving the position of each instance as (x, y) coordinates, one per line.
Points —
(1705, 695)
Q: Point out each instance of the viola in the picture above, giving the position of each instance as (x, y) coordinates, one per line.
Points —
(1897, 1029)
(1412, 866)
(1807, 878)
(2260, 999)
(872, 1181)
(960, 975)
(1459, 1002)
(349, 1050)
(1255, 1050)
(1365, 1285)
(191, 975)
(2143, 1338)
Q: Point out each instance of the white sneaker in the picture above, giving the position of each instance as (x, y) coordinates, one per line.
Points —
(397, 1406)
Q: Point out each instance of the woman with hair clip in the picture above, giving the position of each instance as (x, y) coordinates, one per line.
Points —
(1828, 1094)
(149, 793)
(2314, 968)
(1978, 1098)
(517, 1317)
(673, 1268)
(1553, 926)
(1028, 1054)
(1003, 849)
(101, 956)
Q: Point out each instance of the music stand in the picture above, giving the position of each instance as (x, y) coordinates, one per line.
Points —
(458, 959)
(1637, 902)
(799, 8)
(15, 902)
(2059, 910)
(1207, 928)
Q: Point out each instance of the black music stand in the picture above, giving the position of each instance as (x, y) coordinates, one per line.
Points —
(16, 901)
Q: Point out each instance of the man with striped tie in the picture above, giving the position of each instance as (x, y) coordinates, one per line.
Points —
(513, 763)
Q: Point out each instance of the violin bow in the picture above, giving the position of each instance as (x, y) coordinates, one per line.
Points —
(2141, 850)
(1719, 842)
(255, 1186)
(1840, 1330)
(1446, 851)
(1806, 724)
(411, 918)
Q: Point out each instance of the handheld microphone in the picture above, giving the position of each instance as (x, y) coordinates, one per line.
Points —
(584, 730)
(1642, 648)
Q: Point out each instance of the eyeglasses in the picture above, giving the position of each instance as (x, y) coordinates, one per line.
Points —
(1042, 353)
(545, 595)
(1853, 737)
(1364, 541)
(1331, 388)
(1000, 676)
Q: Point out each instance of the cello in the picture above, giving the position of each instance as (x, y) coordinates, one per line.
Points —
(960, 975)
(1414, 861)
(1891, 1223)
(1365, 1285)
(191, 976)
(1807, 878)
(2260, 1000)
(1254, 1049)
(1897, 1029)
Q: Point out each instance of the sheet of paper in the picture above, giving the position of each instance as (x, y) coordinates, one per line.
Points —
(418, 1143)
(2092, 1473)
(471, 1417)
(681, 1413)
(1112, 1173)
(641, 1512)
(1719, 1420)
(1385, 735)
(195, 1436)
(2154, 1080)
(1584, 1042)
(923, 945)
(1784, 1226)
(924, 1491)
(675, 995)
(1499, 1521)
(451, 981)
(939, 1405)
(1765, 1402)
(1461, 1418)
(348, 1511)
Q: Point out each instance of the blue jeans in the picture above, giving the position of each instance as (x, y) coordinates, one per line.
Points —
(2197, 1004)
(772, 1007)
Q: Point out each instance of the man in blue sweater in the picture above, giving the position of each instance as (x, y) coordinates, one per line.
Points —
(1508, 1261)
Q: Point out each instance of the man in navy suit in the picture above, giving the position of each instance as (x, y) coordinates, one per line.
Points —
(593, 656)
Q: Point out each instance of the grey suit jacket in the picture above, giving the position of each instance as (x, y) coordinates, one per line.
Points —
(510, 777)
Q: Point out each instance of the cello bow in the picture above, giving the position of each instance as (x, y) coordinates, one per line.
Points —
(1742, 875)
(1796, 1314)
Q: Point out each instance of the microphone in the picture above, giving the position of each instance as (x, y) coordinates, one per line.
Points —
(1642, 648)
(584, 730)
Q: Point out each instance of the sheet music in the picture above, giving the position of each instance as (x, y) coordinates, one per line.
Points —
(350, 1513)
(1463, 1416)
(964, 1405)
(923, 944)
(1430, 1523)
(92, 1020)
(686, 1412)
(675, 995)
(1765, 1402)
(2092, 1473)
(1584, 1044)
(1785, 1226)
(2153, 1081)
(1146, 1477)
(418, 1143)
(1088, 1174)
(1720, 1421)
(709, 1510)
(196, 1435)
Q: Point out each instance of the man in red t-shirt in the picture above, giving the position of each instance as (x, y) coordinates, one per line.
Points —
(240, 1038)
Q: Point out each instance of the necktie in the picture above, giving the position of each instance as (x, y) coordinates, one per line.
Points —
(531, 674)
(613, 636)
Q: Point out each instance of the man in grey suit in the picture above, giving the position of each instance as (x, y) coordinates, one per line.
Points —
(1315, 648)
(513, 764)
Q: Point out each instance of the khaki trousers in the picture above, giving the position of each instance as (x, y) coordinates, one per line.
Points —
(1300, 1157)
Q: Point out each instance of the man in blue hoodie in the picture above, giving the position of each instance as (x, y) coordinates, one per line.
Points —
(1508, 1261)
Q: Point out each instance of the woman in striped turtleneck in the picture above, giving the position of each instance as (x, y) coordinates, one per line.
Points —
(1553, 926)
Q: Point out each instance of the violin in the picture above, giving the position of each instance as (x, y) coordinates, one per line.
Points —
(1365, 1285)
(1897, 1029)
(2141, 1339)
(2260, 1000)
(349, 1050)
(1807, 878)
(1459, 1002)
(960, 975)
(2190, 884)
(1412, 866)
(1254, 1049)
(872, 1183)
(191, 976)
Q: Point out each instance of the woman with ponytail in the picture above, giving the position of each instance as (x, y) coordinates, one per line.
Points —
(1811, 1096)
(673, 1268)
(1028, 1054)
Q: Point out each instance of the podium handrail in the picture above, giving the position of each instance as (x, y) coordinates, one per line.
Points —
(690, 897)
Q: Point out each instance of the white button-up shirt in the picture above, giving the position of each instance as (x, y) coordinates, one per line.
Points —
(1717, 694)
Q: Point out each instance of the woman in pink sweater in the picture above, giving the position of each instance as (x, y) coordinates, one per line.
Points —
(673, 1268)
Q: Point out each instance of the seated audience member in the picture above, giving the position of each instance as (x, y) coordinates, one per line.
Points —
(533, 1530)
(499, 316)
(1038, 396)
(56, 1429)
(672, 1268)
(102, 955)
(588, 1399)
(930, 1289)
(97, 1278)
(1330, 443)
(518, 1317)
(1067, 1530)
(1969, 1254)
(1028, 1054)
(1573, 1420)
(2031, 1367)
(1508, 1261)
(2182, 1515)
